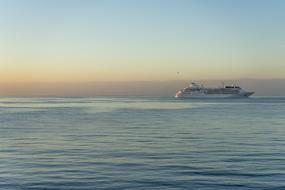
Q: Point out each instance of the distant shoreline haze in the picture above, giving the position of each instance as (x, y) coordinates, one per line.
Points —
(262, 87)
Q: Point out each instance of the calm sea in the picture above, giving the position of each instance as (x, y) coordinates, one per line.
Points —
(142, 143)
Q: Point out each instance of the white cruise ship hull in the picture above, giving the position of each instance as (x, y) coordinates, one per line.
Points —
(204, 95)
(211, 96)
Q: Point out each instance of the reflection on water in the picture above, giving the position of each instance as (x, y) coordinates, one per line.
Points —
(142, 143)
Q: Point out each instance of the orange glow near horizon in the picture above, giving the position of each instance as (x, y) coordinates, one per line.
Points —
(27, 71)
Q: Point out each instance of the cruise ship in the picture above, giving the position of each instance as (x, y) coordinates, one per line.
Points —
(195, 90)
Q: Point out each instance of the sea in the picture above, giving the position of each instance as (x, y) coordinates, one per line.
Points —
(141, 143)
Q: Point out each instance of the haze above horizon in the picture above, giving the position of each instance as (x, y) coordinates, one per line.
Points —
(80, 41)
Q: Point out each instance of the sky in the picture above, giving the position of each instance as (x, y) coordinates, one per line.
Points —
(140, 40)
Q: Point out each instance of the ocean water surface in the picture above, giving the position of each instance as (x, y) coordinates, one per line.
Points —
(142, 143)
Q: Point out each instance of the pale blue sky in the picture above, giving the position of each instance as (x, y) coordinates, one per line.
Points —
(68, 40)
